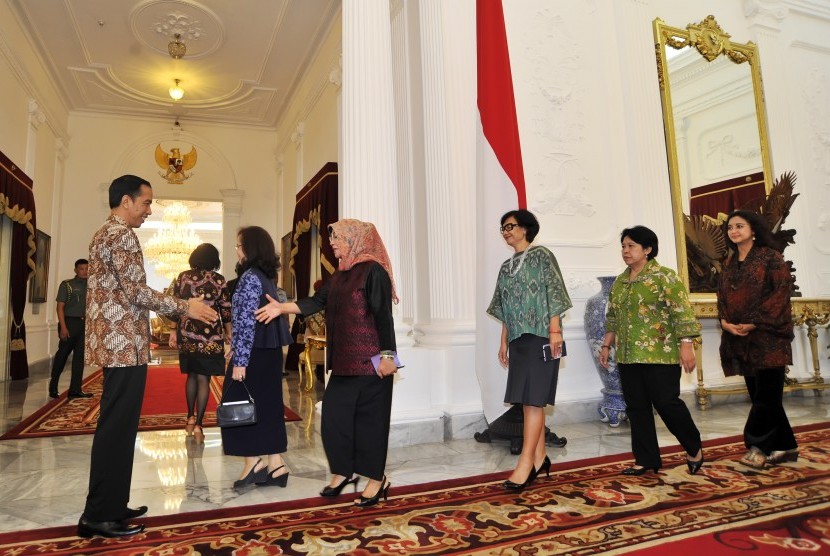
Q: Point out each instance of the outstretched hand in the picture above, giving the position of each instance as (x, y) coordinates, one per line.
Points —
(267, 313)
(196, 309)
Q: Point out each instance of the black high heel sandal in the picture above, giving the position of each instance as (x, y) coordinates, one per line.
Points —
(336, 490)
(253, 476)
(544, 467)
(694, 466)
(272, 480)
(364, 502)
(637, 471)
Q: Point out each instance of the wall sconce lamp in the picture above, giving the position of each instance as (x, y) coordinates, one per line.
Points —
(176, 92)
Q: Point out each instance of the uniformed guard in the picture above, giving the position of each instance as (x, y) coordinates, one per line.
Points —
(71, 312)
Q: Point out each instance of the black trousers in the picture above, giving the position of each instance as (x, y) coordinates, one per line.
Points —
(355, 424)
(74, 345)
(649, 385)
(111, 467)
(767, 425)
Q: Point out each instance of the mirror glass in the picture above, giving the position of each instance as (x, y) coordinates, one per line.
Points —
(715, 138)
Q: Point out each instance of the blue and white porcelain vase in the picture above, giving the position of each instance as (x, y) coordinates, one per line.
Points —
(612, 407)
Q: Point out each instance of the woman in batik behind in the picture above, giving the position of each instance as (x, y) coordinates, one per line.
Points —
(756, 317)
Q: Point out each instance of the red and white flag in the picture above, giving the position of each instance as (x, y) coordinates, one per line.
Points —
(500, 187)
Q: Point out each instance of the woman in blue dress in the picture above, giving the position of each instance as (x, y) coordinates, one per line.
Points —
(256, 362)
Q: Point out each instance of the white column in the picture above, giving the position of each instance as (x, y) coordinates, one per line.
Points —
(449, 116)
(368, 172)
(231, 221)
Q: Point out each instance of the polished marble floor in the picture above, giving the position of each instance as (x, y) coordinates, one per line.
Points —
(43, 482)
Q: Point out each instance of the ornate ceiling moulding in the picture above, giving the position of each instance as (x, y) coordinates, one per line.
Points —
(156, 24)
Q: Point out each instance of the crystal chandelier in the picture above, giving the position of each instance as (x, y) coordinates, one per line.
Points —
(176, 48)
(171, 245)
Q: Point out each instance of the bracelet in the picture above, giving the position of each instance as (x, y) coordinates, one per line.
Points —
(390, 357)
(604, 346)
(686, 341)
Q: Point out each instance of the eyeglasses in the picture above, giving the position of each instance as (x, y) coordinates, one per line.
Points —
(508, 227)
(238, 245)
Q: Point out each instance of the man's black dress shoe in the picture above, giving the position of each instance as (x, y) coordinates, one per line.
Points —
(137, 512)
(53, 395)
(73, 395)
(111, 529)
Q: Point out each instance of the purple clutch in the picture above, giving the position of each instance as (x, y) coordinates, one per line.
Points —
(376, 363)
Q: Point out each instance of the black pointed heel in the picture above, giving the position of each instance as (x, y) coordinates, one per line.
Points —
(252, 476)
(544, 467)
(336, 490)
(275, 480)
(781, 456)
(694, 466)
(637, 471)
(383, 491)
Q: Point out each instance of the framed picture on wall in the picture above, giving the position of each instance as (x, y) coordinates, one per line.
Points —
(286, 278)
(40, 279)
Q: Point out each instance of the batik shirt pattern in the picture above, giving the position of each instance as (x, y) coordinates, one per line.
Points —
(246, 299)
(195, 337)
(529, 292)
(649, 315)
(118, 301)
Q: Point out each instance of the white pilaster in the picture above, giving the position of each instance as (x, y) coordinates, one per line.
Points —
(231, 221)
(368, 174)
(449, 96)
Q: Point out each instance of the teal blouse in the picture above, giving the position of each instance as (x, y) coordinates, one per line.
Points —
(650, 315)
(529, 292)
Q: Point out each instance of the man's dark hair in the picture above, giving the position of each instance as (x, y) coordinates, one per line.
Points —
(205, 257)
(642, 236)
(526, 220)
(80, 262)
(126, 185)
(259, 251)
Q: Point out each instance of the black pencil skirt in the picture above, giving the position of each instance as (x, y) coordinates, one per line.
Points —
(530, 379)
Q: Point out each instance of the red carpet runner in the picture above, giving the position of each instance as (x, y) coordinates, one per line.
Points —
(163, 408)
(585, 507)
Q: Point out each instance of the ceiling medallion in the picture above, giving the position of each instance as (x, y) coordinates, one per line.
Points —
(176, 47)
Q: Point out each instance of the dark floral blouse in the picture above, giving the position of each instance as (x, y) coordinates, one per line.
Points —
(197, 338)
(756, 291)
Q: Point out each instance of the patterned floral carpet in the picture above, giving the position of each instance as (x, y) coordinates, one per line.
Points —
(585, 507)
(163, 407)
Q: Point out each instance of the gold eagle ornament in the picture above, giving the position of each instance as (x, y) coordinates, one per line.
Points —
(175, 165)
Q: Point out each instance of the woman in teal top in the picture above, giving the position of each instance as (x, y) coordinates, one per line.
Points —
(529, 300)
(652, 322)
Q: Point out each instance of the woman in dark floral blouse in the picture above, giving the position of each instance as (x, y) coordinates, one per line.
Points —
(756, 317)
(201, 346)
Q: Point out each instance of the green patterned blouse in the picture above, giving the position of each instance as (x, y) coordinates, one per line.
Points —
(650, 315)
(529, 292)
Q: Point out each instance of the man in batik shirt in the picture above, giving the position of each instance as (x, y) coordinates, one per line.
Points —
(118, 339)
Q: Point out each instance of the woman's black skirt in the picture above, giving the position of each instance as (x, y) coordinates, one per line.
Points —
(530, 379)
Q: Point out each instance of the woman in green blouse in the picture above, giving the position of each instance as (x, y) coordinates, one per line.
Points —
(529, 300)
(653, 325)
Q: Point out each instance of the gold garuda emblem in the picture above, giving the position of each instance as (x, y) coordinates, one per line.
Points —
(175, 165)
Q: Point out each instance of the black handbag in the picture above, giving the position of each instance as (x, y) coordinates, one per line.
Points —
(236, 414)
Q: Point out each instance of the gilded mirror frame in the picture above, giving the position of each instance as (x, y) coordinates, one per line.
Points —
(710, 41)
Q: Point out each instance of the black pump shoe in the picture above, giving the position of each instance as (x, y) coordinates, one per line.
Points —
(364, 502)
(544, 467)
(275, 480)
(252, 476)
(336, 490)
(518, 487)
(109, 529)
(637, 471)
(694, 466)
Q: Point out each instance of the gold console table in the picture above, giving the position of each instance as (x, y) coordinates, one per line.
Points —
(313, 345)
(809, 313)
